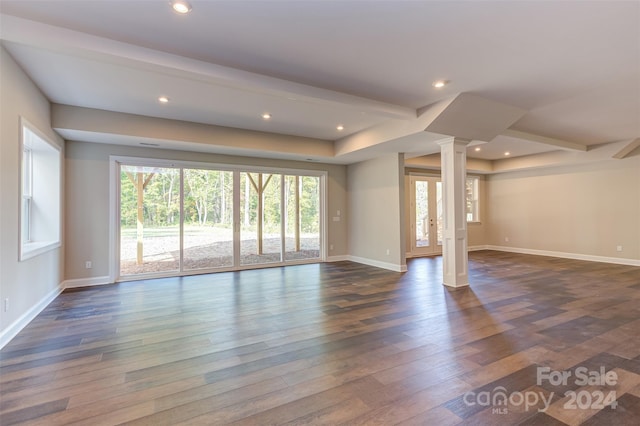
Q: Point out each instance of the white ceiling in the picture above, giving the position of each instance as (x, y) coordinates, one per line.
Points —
(573, 66)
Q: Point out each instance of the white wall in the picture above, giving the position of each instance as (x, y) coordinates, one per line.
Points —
(87, 201)
(376, 211)
(31, 284)
(586, 210)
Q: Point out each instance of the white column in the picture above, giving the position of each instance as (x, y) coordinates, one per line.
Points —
(455, 262)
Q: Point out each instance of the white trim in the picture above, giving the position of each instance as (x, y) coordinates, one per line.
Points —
(415, 255)
(229, 167)
(324, 214)
(33, 248)
(565, 255)
(340, 258)
(87, 282)
(37, 248)
(378, 264)
(24, 320)
(439, 252)
(114, 218)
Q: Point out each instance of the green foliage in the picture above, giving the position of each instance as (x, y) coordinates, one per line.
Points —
(128, 209)
(161, 196)
(208, 199)
(309, 204)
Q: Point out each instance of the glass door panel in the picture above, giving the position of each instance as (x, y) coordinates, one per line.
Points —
(260, 215)
(421, 213)
(208, 219)
(302, 217)
(149, 220)
(426, 215)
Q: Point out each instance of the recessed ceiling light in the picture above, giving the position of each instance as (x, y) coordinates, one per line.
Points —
(266, 116)
(506, 154)
(181, 6)
(340, 127)
(477, 149)
(163, 99)
(440, 84)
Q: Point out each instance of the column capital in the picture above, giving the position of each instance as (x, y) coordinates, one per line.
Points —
(454, 140)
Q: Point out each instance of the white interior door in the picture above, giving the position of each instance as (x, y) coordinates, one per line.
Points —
(426, 215)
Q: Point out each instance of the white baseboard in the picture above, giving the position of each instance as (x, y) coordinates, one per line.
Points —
(11, 331)
(439, 253)
(564, 255)
(378, 264)
(340, 258)
(86, 282)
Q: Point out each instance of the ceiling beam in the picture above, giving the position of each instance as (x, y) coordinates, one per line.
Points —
(564, 145)
(463, 115)
(627, 149)
(66, 41)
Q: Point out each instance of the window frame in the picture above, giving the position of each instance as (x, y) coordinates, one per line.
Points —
(36, 236)
(27, 193)
(475, 200)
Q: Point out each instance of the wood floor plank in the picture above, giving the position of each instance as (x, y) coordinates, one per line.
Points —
(437, 416)
(412, 405)
(339, 414)
(335, 343)
(33, 412)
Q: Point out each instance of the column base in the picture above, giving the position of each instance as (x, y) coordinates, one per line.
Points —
(456, 285)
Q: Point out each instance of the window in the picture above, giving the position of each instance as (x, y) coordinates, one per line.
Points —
(473, 207)
(27, 191)
(40, 193)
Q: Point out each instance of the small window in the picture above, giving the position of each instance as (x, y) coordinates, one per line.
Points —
(473, 207)
(40, 177)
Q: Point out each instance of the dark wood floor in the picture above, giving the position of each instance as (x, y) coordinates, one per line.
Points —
(338, 343)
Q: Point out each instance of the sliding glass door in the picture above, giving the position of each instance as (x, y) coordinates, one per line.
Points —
(302, 217)
(149, 220)
(208, 219)
(260, 212)
(184, 219)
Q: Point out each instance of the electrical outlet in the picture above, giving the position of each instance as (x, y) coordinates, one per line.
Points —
(506, 239)
(619, 248)
(388, 252)
(88, 264)
(6, 304)
(330, 246)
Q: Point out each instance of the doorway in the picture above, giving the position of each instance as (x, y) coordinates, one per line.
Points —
(426, 215)
(181, 219)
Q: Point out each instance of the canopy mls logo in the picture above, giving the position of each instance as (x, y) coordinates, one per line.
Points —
(500, 400)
